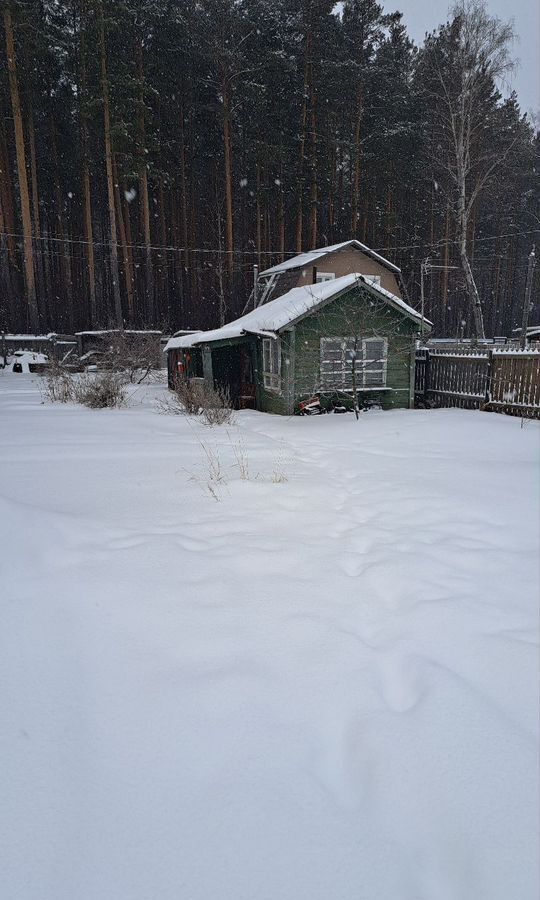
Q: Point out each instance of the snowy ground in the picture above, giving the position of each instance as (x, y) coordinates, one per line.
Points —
(319, 688)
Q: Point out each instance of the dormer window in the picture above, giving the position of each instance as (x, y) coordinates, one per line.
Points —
(325, 276)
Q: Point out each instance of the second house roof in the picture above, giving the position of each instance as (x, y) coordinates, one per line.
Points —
(306, 259)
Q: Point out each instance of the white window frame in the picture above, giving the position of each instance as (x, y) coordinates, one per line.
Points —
(271, 351)
(345, 367)
(383, 362)
(324, 276)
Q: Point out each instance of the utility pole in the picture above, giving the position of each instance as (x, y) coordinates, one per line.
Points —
(527, 300)
(423, 269)
(255, 285)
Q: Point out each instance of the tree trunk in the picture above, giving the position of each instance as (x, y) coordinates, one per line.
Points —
(87, 194)
(227, 158)
(302, 149)
(115, 275)
(444, 290)
(281, 218)
(331, 186)
(6, 191)
(89, 243)
(65, 256)
(28, 250)
(126, 215)
(185, 257)
(128, 275)
(258, 216)
(472, 290)
(357, 160)
(149, 306)
(40, 269)
(7, 312)
(313, 190)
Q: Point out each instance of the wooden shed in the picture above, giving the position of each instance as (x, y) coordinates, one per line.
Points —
(319, 339)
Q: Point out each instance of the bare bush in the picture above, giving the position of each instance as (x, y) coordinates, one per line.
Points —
(217, 409)
(104, 390)
(193, 398)
(99, 390)
(58, 385)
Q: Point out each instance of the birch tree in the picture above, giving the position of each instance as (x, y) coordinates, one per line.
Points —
(465, 61)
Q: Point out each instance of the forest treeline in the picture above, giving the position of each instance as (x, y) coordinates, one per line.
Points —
(153, 151)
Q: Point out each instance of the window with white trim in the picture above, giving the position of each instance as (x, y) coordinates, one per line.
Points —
(375, 352)
(325, 276)
(272, 364)
(337, 362)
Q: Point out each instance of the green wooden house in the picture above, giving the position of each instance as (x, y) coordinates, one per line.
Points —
(318, 339)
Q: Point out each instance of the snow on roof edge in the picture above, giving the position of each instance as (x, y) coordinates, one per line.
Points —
(272, 317)
(310, 256)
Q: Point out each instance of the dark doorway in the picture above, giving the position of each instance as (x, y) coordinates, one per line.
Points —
(233, 374)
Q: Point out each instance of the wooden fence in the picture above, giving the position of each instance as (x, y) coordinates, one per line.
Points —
(496, 380)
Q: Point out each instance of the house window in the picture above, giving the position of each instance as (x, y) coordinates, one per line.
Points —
(325, 276)
(336, 368)
(375, 351)
(272, 364)
(337, 363)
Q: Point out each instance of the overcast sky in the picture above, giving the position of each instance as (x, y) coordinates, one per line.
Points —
(424, 15)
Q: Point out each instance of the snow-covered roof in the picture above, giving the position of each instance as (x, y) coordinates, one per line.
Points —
(116, 331)
(271, 317)
(532, 331)
(30, 337)
(307, 259)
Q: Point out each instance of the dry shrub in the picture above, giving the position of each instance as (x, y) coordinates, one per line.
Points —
(193, 397)
(104, 390)
(58, 385)
(217, 409)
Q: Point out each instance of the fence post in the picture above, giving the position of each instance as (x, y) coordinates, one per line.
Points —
(426, 375)
(489, 375)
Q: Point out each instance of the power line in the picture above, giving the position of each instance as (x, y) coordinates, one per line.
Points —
(220, 251)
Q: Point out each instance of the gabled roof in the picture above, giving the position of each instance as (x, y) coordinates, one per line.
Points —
(272, 317)
(307, 259)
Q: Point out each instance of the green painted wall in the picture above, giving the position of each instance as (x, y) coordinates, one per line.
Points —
(270, 401)
(357, 313)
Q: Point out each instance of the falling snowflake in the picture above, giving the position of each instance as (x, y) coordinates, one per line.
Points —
(243, 182)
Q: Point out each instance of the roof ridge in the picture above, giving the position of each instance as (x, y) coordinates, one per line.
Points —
(307, 256)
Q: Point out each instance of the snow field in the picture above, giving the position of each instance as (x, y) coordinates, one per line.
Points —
(319, 687)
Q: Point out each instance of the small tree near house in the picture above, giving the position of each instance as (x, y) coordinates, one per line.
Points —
(353, 364)
(136, 355)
